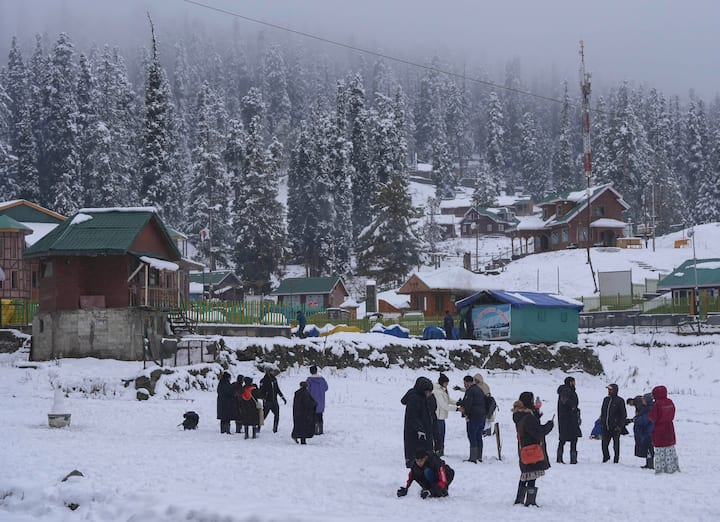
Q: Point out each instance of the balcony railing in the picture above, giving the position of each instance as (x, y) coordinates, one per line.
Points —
(154, 297)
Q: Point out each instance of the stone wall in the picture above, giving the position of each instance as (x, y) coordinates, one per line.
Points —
(111, 333)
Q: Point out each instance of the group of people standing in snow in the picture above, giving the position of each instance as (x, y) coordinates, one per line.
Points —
(249, 405)
(428, 405)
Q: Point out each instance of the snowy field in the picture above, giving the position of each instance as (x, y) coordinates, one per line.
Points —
(138, 465)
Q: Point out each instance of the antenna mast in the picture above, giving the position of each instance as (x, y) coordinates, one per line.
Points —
(587, 156)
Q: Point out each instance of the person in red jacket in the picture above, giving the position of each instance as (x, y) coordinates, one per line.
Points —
(662, 415)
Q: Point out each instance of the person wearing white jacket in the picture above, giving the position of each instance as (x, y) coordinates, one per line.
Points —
(444, 406)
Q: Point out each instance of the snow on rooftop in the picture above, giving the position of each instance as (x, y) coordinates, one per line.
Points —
(521, 297)
(452, 279)
(160, 264)
(566, 299)
(80, 218)
(118, 209)
(424, 167)
(530, 223)
(349, 303)
(608, 223)
(39, 231)
(708, 265)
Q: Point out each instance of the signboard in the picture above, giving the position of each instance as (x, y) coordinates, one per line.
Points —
(491, 321)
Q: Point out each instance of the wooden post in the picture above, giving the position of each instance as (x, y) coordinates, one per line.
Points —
(147, 282)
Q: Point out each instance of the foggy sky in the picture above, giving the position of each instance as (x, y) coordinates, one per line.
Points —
(668, 44)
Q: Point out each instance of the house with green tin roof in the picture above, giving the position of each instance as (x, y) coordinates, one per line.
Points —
(108, 277)
(219, 284)
(488, 221)
(22, 223)
(574, 219)
(312, 292)
(682, 282)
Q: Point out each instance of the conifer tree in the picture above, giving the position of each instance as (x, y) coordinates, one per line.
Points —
(442, 172)
(495, 156)
(275, 92)
(362, 174)
(565, 169)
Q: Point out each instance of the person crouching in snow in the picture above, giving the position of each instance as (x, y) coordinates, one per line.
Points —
(431, 472)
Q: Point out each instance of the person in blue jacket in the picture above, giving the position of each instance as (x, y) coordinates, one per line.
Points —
(300, 316)
(642, 430)
(317, 385)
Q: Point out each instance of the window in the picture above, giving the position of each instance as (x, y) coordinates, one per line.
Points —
(563, 316)
(501, 227)
(565, 235)
(598, 210)
(541, 315)
(34, 279)
(13, 280)
(582, 234)
(554, 237)
(47, 269)
(489, 227)
(558, 210)
(439, 302)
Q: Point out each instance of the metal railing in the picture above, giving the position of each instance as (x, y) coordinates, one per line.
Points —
(708, 304)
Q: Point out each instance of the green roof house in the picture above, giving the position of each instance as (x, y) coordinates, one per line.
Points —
(107, 278)
(312, 292)
(681, 282)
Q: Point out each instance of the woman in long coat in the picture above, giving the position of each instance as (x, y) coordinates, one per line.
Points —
(530, 431)
(662, 415)
(568, 415)
(303, 414)
(249, 407)
(225, 400)
(418, 424)
(642, 430)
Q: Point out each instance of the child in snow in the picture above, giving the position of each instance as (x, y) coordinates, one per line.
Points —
(431, 472)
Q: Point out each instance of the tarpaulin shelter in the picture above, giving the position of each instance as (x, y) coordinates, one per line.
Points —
(520, 316)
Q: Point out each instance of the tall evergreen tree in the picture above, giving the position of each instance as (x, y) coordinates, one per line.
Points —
(159, 185)
(362, 174)
(532, 167)
(495, 155)
(565, 172)
(442, 171)
(486, 188)
(696, 150)
(275, 92)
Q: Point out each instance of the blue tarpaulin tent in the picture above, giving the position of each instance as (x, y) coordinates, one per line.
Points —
(521, 316)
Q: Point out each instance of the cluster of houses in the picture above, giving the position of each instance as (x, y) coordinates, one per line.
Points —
(105, 279)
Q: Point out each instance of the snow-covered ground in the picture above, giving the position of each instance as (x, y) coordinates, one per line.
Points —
(139, 465)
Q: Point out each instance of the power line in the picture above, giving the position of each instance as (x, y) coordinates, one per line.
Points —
(376, 54)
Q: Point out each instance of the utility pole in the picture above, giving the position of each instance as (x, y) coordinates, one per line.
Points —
(587, 156)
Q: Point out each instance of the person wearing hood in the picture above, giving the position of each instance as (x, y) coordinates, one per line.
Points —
(225, 403)
(662, 415)
(568, 415)
(473, 409)
(303, 414)
(250, 408)
(613, 416)
(318, 386)
(530, 431)
(642, 431)
(444, 406)
(418, 424)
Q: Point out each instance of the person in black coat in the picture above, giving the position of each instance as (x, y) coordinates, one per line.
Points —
(269, 391)
(418, 425)
(472, 406)
(431, 472)
(613, 417)
(568, 415)
(250, 410)
(530, 431)
(237, 392)
(303, 414)
(448, 325)
(225, 403)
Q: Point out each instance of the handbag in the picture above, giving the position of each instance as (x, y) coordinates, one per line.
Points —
(531, 453)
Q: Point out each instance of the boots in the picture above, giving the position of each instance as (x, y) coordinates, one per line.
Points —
(254, 435)
(521, 492)
(473, 455)
(247, 432)
(573, 457)
(321, 428)
(531, 496)
(275, 423)
(317, 428)
(560, 453)
(649, 463)
(479, 454)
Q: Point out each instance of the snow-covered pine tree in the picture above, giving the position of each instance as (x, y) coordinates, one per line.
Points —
(9, 188)
(457, 125)
(341, 179)
(630, 153)
(495, 155)
(275, 92)
(208, 203)
(59, 169)
(486, 187)
(442, 171)
(300, 173)
(159, 186)
(429, 113)
(566, 172)
(390, 245)
(696, 150)
(258, 229)
(362, 175)
(533, 168)
(92, 136)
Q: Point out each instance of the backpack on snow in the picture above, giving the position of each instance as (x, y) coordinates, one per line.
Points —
(490, 405)
(191, 420)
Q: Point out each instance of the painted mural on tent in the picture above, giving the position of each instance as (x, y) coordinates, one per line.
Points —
(491, 321)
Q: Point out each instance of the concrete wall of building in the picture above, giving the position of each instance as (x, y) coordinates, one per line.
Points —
(103, 333)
